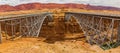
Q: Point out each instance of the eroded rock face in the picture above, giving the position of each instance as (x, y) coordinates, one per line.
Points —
(39, 6)
(4, 8)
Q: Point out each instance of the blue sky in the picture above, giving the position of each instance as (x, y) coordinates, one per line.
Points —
(114, 3)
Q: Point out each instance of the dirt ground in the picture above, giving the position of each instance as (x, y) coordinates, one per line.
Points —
(38, 45)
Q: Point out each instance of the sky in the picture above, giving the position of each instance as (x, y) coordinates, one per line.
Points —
(113, 3)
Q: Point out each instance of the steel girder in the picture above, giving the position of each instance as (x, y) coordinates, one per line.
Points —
(98, 29)
(22, 25)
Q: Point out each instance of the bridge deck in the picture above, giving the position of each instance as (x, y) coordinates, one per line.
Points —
(96, 14)
(20, 16)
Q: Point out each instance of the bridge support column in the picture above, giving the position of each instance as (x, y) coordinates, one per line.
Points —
(118, 33)
(0, 34)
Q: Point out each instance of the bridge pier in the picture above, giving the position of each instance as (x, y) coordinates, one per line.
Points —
(118, 33)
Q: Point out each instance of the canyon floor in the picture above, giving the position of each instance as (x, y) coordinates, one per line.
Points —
(53, 40)
(37, 45)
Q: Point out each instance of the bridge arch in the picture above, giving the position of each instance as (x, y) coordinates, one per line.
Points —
(28, 25)
(99, 29)
(49, 18)
(37, 24)
(68, 17)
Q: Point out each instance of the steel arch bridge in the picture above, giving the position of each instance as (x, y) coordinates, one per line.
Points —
(100, 29)
(27, 25)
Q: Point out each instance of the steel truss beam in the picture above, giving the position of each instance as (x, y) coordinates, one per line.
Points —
(23, 25)
(98, 29)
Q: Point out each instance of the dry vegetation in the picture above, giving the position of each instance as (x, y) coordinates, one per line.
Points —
(56, 40)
